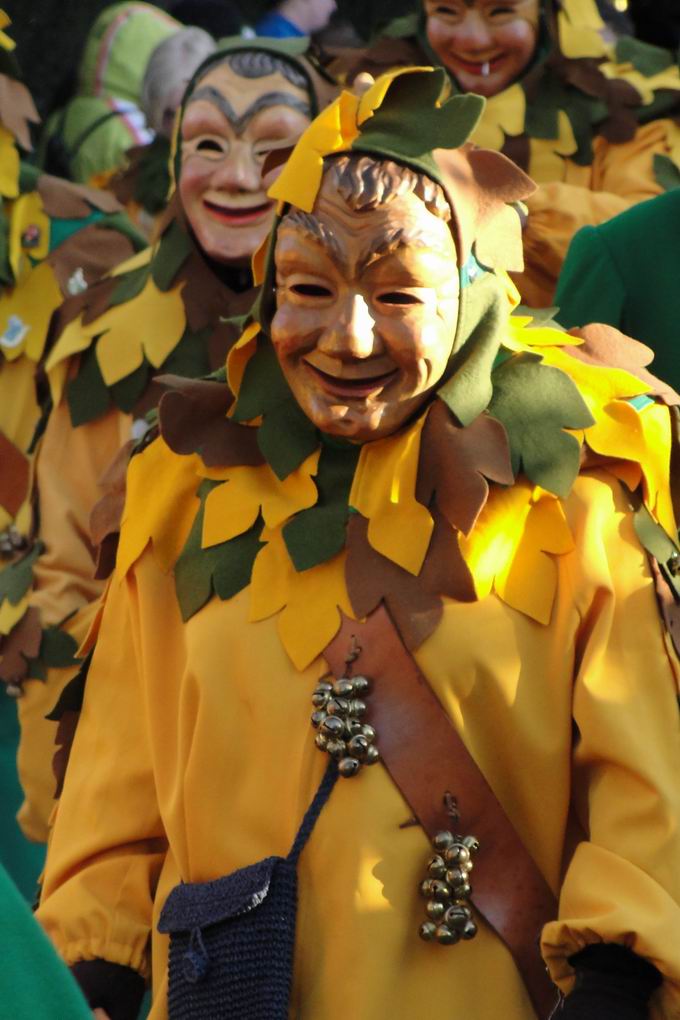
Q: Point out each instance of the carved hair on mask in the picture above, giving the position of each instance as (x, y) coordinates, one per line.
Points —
(239, 109)
(367, 296)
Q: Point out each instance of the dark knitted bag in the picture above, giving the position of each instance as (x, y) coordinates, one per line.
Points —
(232, 940)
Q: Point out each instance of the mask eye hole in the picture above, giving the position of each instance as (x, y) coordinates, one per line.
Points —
(399, 297)
(312, 290)
(209, 145)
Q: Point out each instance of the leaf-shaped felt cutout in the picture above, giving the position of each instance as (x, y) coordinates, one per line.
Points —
(94, 250)
(9, 165)
(606, 347)
(127, 393)
(195, 565)
(415, 603)
(20, 644)
(87, 394)
(11, 615)
(644, 57)
(193, 419)
(316, 535)
(233, 507)
(311, 617)
(272, 576)
(536, 403)
(17, 578)
(234, 562)
(130, 284)
(14, 476)
(666, 172)
(167, 519)
(58, 648)
(172, 252)
(30, 305)
(28, 214)
(286, 437)
(190, 358)
(456, 462)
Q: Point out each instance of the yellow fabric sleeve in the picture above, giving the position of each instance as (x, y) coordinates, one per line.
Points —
(623, 882)
(69, 465)
(620, 176)
(107, 844)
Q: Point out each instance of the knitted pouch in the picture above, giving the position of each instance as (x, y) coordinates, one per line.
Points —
(232, 939)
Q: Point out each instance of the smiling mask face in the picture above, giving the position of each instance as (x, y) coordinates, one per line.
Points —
(230, 123)
(367, 304)
(484, 44)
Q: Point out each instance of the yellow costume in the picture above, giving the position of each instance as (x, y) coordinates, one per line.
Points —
(194, 755)
(590, 121)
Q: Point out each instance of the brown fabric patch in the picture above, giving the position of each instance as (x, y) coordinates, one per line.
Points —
(15, 474)
(479, 184)
(17, 110)
(66, 201)
(192, 418)
(518, 149)
(66, 731)
(670, 608)
(20, 645)
(107, 513)
(456, 462)
(605, 346)
(94, 249)
(206, 298)
(415, 603)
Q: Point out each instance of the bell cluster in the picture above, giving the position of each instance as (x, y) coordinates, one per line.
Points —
(447, 890)
(338, 712)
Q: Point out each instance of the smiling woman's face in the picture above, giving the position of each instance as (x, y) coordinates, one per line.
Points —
(367, 306)
(484, 44)
(229, 126)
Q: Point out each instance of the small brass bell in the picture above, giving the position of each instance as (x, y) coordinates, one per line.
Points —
(337, 716)
(447, 890)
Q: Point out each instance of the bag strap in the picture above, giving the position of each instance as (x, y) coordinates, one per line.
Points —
(313, 811)
(428, 762)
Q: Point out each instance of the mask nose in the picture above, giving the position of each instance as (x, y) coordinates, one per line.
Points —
(239, 171)
(474, 34)
(352, 334)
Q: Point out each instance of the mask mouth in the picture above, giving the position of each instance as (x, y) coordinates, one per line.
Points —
(351, 387)
(479, 68)
(237, 215)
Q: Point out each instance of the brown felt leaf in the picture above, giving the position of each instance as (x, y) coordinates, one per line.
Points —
(456, 462)
(17, 110)
(66, 201)
(14, 476)
(94, 249)
(20, 645)
(518, 149)
(106, 515)
(66, 731)
(106, 554)
(480, 184)
(207, 298)
(606, 346)
(220, 342)
(97, 299)
(415, 603)
(193, 419)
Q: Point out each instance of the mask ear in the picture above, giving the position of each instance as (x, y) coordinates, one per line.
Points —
(274, 162)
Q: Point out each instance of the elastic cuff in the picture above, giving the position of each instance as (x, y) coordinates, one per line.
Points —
(612, 983)
(118, 990)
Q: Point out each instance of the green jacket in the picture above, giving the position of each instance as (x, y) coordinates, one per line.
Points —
(625, 273)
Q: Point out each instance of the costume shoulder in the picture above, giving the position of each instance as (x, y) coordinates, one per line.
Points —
(164, 311)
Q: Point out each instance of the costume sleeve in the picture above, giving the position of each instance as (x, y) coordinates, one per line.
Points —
(590, 288)
(108, 843)
(622, 884)
(621, 176)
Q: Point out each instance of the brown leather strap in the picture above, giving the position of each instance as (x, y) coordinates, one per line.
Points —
(427, 759)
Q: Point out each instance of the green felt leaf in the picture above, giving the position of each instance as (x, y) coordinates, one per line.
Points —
(645, 58)
(260, 372)
(542, 317)
(58, 649)
(28, 177)
(535, 403)
(87, 394)
(173, 250)
(190, 358)
(315, 535)
(234, 566)
(126, 392)
(582, 112)
(6, 273)
(403, 27)
(666, 172)
(122, 224)
(541, 119)
(194, 568)
(71, 698)
(286, 438)
(17, 578)
(152, 183)
(411, 122)
(130, 285)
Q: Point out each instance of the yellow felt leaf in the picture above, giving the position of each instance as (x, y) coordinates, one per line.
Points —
(646, 87)
(580, 30)
(270, 580)
(5, 41)
(141, 258)
(232, 508)
(25, 312)
(239, 356)
(27, 212)
(10, 615)
(160, 506)
(9, 165)
(153, 322)
(504, 114)
(545, 155)
(312, 616)
(495, 537)
(598, 385)
(522, 337)
(383, 491)
(74, 338)
(259, 262)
